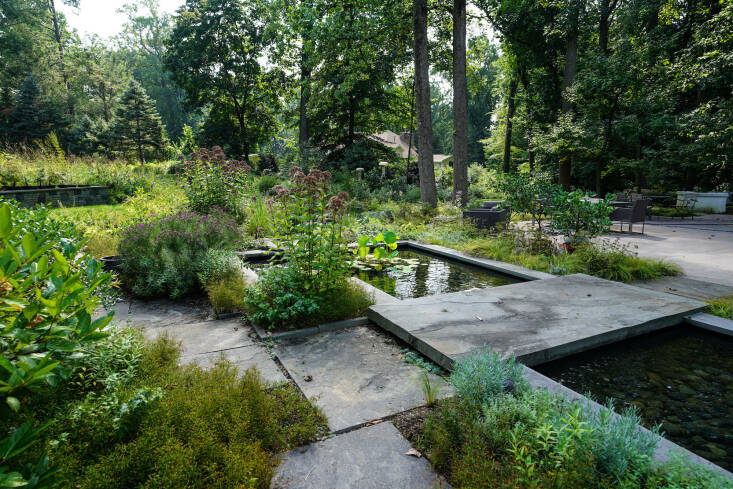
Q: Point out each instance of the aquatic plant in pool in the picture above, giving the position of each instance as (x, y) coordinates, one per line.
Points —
(417, 274)
(681, 378)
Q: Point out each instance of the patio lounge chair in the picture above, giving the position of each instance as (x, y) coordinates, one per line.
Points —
(635, 213)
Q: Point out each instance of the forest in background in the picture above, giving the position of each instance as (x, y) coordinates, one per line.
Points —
(605, 95)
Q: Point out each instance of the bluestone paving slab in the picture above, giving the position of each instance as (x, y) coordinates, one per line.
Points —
(164, 312)
(355, 375)
(205, 336)
(243, 358)
(536, 321)
(121, 309)
(688, 287)
(370, 458)
(716, 324)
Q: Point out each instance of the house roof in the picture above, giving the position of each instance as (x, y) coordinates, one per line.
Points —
(398, 142)
(401, 144)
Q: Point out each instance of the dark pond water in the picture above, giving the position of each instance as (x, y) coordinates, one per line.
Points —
(431, 275)
(681, 378)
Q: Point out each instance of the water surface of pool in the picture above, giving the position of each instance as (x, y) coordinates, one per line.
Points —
(430, 276)
(681, 378)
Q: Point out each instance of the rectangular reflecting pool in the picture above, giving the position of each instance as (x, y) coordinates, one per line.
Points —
(679, 377)
(427, 275)
(431, 275)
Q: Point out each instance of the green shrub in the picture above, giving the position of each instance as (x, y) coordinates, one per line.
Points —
(162, 256)
(612, 261)
(480, 376)
(212, 429)
(535, 439)
(412, 195)
(577, 217)
(259, 221)
(681, 473)
(217, 264)
(278, 301)
(309, 222)
(227, 293)
(212, 182)
(620, 448)
(266, 183)
(48, 288)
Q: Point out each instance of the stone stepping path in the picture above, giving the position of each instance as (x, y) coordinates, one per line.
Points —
(536, 321)
(355, 375)
(374, 457)
(203, 339)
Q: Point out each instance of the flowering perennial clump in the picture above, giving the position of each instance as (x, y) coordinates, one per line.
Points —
(308, 223)
(160, 256)
(213, 181)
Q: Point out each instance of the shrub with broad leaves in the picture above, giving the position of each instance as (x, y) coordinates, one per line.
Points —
(48, 292)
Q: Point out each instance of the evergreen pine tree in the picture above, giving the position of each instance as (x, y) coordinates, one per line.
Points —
(27, 122)
(137, 125)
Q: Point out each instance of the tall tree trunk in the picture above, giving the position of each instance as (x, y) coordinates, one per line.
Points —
(506, 166)
(460, 104)
(408, 167)
(352, 118)
(428, 191)
(304, 123)
(62, 55)
(603, 24)
(571, 59)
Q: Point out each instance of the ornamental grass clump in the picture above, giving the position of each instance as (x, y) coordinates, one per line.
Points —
(161, 256)
(313, 276)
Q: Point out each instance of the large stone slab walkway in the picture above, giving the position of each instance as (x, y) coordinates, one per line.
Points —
(203, 339)
(374, 457)
(355, 375)
(536, 321)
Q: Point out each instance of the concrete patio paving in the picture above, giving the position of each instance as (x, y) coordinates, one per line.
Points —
(374, 457)
(203, 340)
(703, 248)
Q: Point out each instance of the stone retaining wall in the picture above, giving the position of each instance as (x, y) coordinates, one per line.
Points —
(71, 196)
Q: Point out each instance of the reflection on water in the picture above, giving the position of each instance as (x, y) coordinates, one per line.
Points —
(681, 377)
(431, 276)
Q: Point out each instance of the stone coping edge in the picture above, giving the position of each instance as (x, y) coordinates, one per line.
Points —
(711, 323)
(53, 189)
(666, 449)
(306, 332)
(509, 269)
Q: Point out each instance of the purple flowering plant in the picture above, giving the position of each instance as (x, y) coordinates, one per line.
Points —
(160, 256)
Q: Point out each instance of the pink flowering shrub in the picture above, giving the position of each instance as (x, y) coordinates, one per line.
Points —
(161, 256)
(212, 181)
(309, 230)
